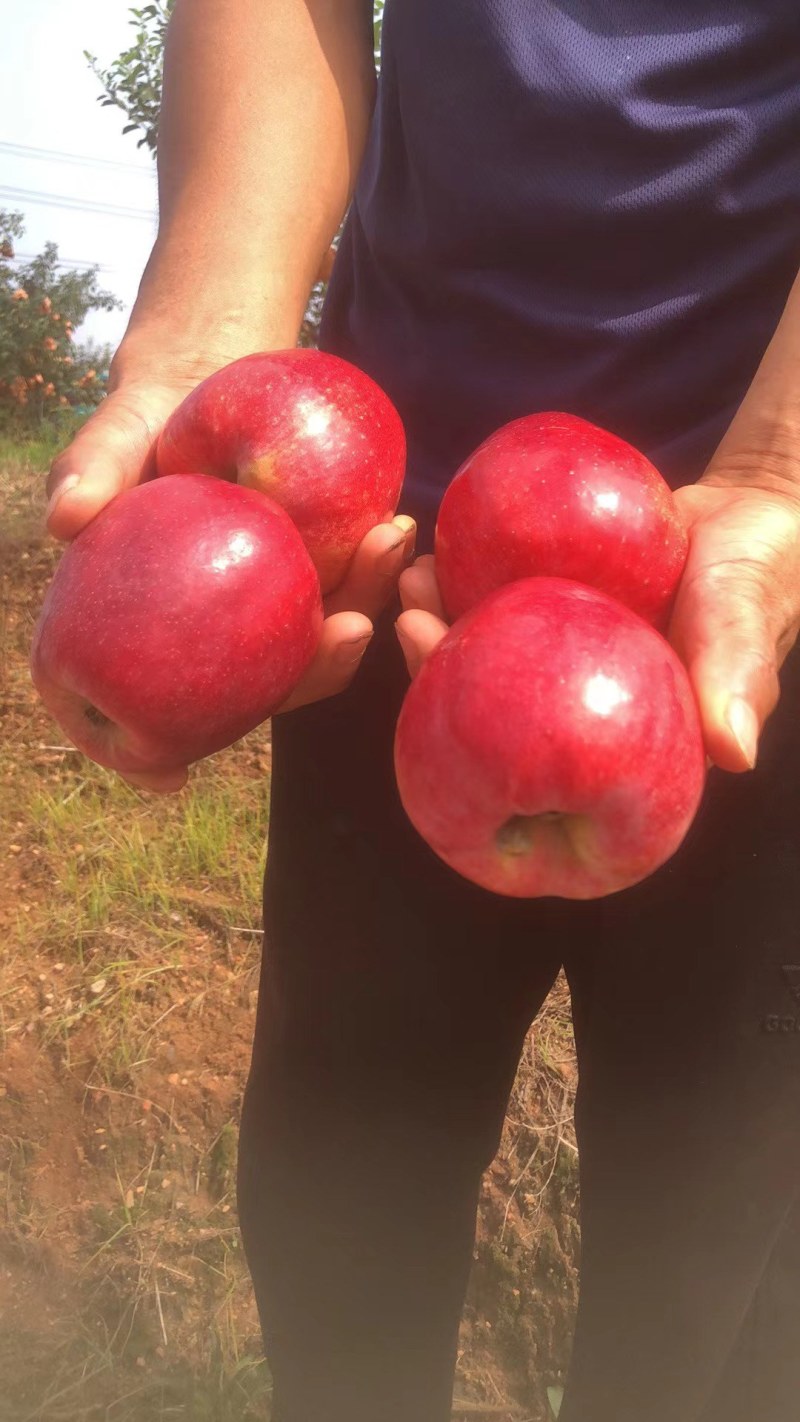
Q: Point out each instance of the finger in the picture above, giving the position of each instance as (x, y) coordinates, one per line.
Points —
(345, 638)
(377, 564)
(158, 782)
(723, 629)
(109, 453)
(419, 588)
(418, 633)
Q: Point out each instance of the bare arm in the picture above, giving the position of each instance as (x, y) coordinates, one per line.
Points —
(265, 114)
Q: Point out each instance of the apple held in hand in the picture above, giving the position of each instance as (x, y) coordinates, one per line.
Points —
(176, 622)
(550, 744)
(551, 495)
(308, 429)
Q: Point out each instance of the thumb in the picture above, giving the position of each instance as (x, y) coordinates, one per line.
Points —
(111, 452)
(722, 630)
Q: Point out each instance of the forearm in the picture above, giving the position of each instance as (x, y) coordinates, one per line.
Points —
(762, 445)
(265, 113)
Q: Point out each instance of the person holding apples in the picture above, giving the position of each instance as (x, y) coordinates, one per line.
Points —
(568, 205)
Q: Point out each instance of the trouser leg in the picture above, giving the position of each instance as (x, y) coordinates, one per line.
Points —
(394, 1001)
(686, 1015)
(762, 1376)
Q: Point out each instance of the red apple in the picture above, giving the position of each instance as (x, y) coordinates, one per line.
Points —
(310, 430)
(551, 744)
(175, 623)
(553, 495)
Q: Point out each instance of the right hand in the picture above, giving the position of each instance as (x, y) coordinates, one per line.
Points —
(114, 450)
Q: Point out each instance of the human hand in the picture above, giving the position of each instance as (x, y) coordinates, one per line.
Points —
(736, 615)
(737, 612)
(115, 450)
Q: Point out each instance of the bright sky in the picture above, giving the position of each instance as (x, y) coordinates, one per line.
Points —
(64, 162)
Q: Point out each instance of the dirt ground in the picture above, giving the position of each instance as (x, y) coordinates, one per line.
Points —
(129, 947)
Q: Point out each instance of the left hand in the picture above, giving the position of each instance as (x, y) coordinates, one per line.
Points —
(736, 615)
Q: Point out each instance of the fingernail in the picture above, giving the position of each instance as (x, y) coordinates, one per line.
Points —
(743, 722)
(409, 527)
(349, 654)
(387, 560)
(57, 495)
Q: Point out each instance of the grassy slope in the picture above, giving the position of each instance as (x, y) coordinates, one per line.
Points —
(129, 944)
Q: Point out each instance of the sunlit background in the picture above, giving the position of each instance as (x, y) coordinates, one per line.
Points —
(64, 162)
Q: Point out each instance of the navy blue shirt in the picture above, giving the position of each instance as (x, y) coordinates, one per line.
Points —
(586, 205)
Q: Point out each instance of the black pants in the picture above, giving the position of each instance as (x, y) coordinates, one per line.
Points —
(394, 1002)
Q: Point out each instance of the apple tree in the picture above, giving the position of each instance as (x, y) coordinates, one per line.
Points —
(133, 82)
(43, 372)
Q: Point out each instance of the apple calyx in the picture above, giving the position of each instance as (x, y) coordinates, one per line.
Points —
(518, 834)
(95, 716)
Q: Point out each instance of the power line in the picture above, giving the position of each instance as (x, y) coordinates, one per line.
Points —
(55, 155)
(65, 261)
(35, 195)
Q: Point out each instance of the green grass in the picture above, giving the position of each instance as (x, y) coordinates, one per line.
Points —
(127, 880)
(36, 449)
(111, 850)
